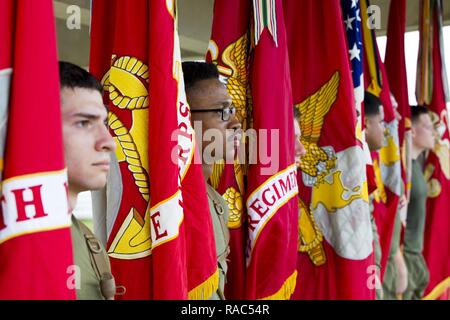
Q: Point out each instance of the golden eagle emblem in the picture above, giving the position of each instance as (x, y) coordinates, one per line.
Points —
(232, 195)
(233, 71)
(235, 57)
(318, 161)
(310, 237)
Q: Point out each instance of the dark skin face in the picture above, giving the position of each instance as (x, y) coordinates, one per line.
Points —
(212, 94)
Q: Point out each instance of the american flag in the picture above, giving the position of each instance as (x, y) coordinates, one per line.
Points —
(352, 23)
(351, 13)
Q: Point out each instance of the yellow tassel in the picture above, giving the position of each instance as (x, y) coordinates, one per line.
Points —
(438, 290)
(205, 290)
(217, 173)
(286, 290)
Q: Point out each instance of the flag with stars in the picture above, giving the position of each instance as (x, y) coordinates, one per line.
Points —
(352, 24)
(351, 12)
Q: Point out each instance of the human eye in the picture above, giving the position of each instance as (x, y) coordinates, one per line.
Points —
(227, 110)
(83, 124)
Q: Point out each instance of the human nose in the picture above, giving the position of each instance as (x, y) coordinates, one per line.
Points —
(234, 123)
(300, 150)
(105, 141)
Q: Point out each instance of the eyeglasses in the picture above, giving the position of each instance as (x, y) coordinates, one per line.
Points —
(226, 112)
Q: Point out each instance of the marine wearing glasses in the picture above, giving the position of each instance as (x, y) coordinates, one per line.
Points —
(226, 113)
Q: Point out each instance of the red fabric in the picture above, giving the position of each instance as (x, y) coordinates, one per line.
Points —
(6, 33)
(271, 254)
(385, 221)
(437, 235)
(44, 61)
(395, 62)
(273, 258)
(333, 281)
(318, 49)
(230, 23)
(34, 264)
(371, 184)
(184, 260)
(107, 38)
(384, 215)
(384, 212)
(235, 285)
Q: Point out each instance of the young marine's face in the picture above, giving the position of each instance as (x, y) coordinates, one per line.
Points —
(87, 142)
(423, 133)
(374, 131)
(212, 94)
(300, 150)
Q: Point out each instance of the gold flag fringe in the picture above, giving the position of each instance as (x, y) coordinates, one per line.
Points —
(286, 290)
(438, 290)
(205, 290)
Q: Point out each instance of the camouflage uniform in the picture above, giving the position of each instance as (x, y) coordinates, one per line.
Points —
(89, 286)
(418, 275)
(219, 214)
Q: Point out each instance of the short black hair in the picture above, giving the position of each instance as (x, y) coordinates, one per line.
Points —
(371, 104)
(296, 113)
(198, 71)
(417, 111)
(72, 76)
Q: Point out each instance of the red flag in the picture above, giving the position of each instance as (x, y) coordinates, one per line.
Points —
(182, 179)
(111, 49)
(337, 256)
(272, 189)
(391, 173)
(35, 241)
(396, 72)
(437, 171)
(271, 209)
(387, 165)
(165, 237)
(229, 49)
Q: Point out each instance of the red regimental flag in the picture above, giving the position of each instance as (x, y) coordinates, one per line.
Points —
(271, 209)
(437, 172)
(155, 235)
(229, 49)
(35, 241)
(335, 242)
(272, 185)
